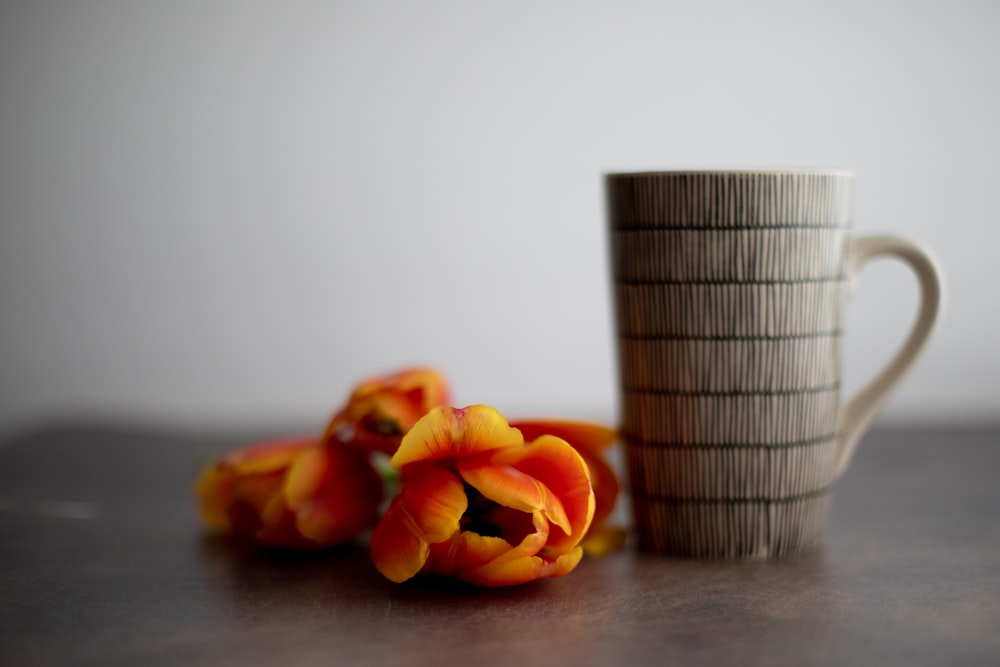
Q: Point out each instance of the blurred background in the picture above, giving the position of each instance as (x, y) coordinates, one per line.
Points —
(218, 214)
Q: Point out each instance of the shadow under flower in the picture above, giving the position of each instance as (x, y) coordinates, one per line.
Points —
(286, 577)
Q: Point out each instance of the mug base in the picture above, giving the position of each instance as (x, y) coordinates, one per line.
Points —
(732, 528)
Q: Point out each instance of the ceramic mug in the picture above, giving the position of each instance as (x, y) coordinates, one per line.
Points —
(728, 291)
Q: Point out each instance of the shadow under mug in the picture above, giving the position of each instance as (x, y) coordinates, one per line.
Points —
(728, 293)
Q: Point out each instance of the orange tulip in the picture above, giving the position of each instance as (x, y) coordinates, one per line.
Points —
(591, 441)
(479, 503)
(381, 410)
(296, 493)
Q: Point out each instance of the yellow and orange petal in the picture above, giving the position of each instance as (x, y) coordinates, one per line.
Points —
(269, 456)
(382, 409)
(420, 387)
(296, 493)
(213, 489)
(523, 570)
(563, 472)
(493, 561)
(588, 438)
(334, 493)
(246, 477)
(450, 433)
(426, 511)
(480, 504)
(509, 487)
(464, 551)
(591, 441)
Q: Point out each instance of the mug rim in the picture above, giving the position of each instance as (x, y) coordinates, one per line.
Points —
(818, 171)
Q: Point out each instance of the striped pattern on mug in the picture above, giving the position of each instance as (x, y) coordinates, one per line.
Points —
(728, 290)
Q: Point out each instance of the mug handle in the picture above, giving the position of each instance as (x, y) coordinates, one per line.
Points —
(855, 415)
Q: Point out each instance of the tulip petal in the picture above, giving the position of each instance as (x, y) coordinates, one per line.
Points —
(306, 475)
(562, 471)
(258, 490)
(522, 570)
(525, 531)
(510, 487)
(427, 510)
(464, 551)
(277, 527)
(589, 440)
(468, 551)
(394, 414)
(422, 386)
(396, 549)
(531, 543)
(583, 436)
(435, 502)
(246, 477)
(380, 410)
(334, 492)
(425, 387)
(564, 564)
(294, 493)
(447, 432)
(268, 456)
(214, 489)
(508, 573)
(345, 429)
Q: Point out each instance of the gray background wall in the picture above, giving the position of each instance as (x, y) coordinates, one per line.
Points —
(219, 213)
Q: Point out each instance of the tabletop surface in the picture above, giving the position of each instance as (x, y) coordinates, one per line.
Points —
(103, 561)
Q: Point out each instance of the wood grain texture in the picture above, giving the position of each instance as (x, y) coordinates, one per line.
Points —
(103, 561)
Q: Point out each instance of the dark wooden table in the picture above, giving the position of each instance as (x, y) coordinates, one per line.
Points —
(103, 561)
